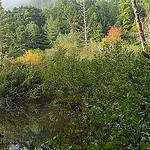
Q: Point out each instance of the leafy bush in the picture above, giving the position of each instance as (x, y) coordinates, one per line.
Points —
(30, 58)
(97, 79)
(18, 80)
(122, 125)
(113, 37)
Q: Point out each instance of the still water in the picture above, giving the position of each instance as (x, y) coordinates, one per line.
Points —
(28, 121)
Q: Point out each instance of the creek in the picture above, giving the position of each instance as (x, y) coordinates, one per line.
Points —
(28, 121)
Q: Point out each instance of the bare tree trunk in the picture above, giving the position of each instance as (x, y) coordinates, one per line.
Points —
(1, 49)
(85, 25)
(83, 10)
(139, 25)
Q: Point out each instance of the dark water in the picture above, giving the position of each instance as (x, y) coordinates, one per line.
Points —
(29, 120)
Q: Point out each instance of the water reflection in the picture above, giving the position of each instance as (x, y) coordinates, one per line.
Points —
(29, 120)
(16, 147)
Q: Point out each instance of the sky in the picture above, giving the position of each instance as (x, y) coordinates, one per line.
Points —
(9, 4)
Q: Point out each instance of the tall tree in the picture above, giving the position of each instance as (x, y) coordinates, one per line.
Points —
(25, 30)
(85, 23)
(1, 17)
(88, 11)
(51, 30)
(4, 31)
(139, 25)
(126, 17)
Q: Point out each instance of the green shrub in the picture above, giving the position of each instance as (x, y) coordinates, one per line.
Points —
(18, 80)
(122, 125)
(97, 79)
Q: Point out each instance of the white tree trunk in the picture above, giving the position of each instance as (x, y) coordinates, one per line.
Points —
(85, 25)
(139, 26)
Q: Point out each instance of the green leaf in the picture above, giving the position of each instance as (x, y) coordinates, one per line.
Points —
(123, 140)
(108, 116)
(130, 75)
(137, 136)
(66, 130)
(145, 55)
(51, 142)
(114, 117)
(67, 140)
(91, 138)
(41, 139)
(77, 131)
(123, 108)
(74, 146)
(65, 90)
(108, 145)
(76, 121)
(78, 96)
(72, 124)
(25, 144)
(70, 132)
(68, 106)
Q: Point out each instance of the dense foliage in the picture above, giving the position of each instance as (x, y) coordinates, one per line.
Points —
(103, 85)
(108, 96)
(28, 27)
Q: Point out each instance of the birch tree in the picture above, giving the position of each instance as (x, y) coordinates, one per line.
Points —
(83, 10)
(1, 11)
(139, 25)
(89, 20)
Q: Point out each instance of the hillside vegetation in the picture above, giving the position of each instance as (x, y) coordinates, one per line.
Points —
(86, 58)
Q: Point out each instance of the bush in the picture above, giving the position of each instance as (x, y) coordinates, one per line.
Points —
(122, 125)
(18, 80)
(97, 79)
(31, 58)
(113, 37)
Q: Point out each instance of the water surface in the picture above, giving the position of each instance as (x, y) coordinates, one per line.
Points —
(27, 121)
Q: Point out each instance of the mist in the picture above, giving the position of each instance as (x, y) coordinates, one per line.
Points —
(10, 4)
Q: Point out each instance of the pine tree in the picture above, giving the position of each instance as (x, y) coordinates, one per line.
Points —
(4, 33)
(126, 16)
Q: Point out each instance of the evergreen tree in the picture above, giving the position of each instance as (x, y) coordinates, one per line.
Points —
(25, 30)
(4, 31)
(126, 16)
(51, 30)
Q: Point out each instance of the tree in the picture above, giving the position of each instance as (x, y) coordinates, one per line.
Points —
(126, 16)
(71, 17)
(51, 30)
(4, 31)
(89, 19)
(107, 12)
(1, 17)
(25, 30)
(69, 43)
(139, 26)
(113, 37)
(85, 24)
(21, 36)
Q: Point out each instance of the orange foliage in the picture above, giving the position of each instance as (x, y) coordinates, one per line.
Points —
(113, 37)
(30, 58)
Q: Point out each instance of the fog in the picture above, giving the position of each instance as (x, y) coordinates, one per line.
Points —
(9, 4)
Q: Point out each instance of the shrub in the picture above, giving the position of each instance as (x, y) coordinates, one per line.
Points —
(30, 58)
(113, 37)
(18, 79)
(122, 125)
(98, 78)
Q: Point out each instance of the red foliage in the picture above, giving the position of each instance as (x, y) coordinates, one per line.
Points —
(113, 37)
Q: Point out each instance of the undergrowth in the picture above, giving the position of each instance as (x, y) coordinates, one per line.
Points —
(108, 96)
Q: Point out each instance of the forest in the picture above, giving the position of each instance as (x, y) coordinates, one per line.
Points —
(85, 58)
